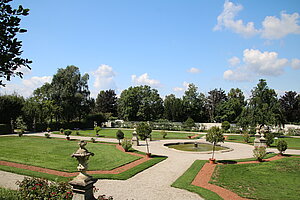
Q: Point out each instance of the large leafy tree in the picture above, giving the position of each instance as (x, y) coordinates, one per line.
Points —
(194, 103)
(140, 103)
(290, 105)
(10, 46)
(106, 102)
(10, 108)
(229, 110)
(173, 108)
(70, 93)
(214, 99)
(263, 107)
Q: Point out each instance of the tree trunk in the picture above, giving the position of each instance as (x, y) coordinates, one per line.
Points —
(147, 145)
(213, 151)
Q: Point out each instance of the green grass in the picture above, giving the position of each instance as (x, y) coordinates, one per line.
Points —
(274, 180)
(293, 143)
(6, 194)
(111, 133)
(56, 154)
(184, 182)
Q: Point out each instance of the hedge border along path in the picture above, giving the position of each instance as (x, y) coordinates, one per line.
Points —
(204, 175)
(117, 170)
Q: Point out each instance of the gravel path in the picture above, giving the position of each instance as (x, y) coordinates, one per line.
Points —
(153, 183)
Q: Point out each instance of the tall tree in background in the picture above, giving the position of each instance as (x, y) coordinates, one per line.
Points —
(140, 103)
(106, 102)
(215, 97)
(194, 103)
(229, 110)
(10, 46)
(69, 90)
(173, 108)
(263, 107)
(290, 105)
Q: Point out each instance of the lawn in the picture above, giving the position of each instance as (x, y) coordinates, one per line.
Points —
(184, 182)
(278, 179)
(293, 143)
(56, 154)
(111, 133)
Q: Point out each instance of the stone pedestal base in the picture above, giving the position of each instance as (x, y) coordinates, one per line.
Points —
(82, 187)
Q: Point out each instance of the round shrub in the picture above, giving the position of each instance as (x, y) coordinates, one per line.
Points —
(282, 146)
(119, 135)
(225, 125)
(259, 153)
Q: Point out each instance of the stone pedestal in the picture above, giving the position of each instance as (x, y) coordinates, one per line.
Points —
(82, 187)
(135, 139)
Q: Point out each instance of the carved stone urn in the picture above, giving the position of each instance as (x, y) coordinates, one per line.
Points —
(82, 184)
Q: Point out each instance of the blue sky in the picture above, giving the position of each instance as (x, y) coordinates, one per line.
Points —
(165, 44)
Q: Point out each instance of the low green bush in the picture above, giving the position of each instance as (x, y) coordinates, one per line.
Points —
(68, 132)
(6, 194)
(47, 135)
(119, 135)
(225, 125)
(126, 144)
(282, 146)
(259, 153)
(37, 188)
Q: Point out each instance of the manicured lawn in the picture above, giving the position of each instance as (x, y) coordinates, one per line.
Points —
(56, 154)
(278, 179)
(111, 133)
(6, 194)
(293, 143)
(184, 182)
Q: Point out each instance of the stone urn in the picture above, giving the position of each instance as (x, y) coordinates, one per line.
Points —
(82, 184)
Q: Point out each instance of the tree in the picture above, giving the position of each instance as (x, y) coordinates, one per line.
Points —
(140, 103)
(189, 123)
(10, 108)
(10, 46)
(144, 131)
(106, 102)
(194, 103)
(263, 107)
(215, 97)
(290, 106)
(214, 136)
(69, 91)
(120, 136)
(282, 146)
(173, 108)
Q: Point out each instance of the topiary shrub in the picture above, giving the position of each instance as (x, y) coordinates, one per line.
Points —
(246, 137)
(126, 144)
(225, 125)
(61, 130)
(37, 188)
(119, 136)
(282, 146)
(259, 153)
(269, 138)
(47, 135)
(67, 133)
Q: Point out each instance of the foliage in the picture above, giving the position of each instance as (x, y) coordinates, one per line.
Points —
(97, 129)
(10, 108)
(144, 131)
(290, 106)
(259, 153)
(106, 102)
(37, 188)
(164, 134)
(61, 130)
(93, 140)
(67, 132)
(126, 144)
(293, 132)
(140, 103)
(282, 146)
(173, 108)
(225, 125)
(10, 48)
(269, 138)
(246, 137)
(214, 136)
(47, 135)
(7, 194)
(119, 135)
(214, 99)
(189, 123)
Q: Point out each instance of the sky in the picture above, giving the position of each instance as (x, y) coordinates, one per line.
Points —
(166, 44)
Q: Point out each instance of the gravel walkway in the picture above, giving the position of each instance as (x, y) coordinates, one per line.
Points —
(153, 183)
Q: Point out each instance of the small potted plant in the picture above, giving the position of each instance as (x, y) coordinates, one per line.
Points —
(144, 132)
(68, 132)
(214, 136)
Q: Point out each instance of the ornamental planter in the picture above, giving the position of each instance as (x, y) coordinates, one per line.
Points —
(212, 161)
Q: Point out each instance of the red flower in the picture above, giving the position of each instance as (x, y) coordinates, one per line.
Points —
(33, 188)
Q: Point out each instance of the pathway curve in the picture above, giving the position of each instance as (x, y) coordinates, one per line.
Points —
(154, 183)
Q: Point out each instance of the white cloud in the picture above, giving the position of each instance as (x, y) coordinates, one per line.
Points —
(227, 20)
(181, 89)
(27, 86)
(24, 70)
(274, 28)
(295, 63)
(257, 63)
(104, 77)
(234, 61)
(144, 79)
(194, 70)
